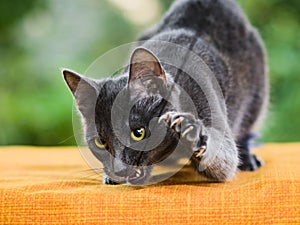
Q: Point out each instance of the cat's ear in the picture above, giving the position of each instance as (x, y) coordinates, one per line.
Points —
(144, 63)
(146, 73)
(84, 91)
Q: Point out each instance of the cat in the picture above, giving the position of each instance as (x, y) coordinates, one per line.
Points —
(151, 91)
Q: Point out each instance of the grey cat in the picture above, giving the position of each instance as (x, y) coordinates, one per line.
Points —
(152, 91)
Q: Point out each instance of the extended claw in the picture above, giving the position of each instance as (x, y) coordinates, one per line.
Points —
(165, 117)
(201, 151)
(187, 131)
(176, 122)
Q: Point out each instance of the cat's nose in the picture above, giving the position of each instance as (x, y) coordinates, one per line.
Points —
(120, 168)
(122, 173)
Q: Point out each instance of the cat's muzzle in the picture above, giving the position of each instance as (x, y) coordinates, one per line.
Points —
(136, 177)
(131, 176)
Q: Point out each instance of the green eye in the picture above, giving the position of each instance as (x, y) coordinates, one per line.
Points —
(100, 143)
(138, 134)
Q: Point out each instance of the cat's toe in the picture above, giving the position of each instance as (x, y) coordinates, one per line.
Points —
(258, 161)
(190, 132)
(199, 153)
(176, 123)
(251, 163)
(164, 118)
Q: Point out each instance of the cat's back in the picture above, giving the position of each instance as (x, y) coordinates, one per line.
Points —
(221, 22)
(221, 25)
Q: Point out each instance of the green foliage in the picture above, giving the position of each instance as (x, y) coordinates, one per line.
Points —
(36, 106)
(279, 24)
(37, 39)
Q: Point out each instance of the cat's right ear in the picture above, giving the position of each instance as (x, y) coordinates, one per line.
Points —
(83, 89)
(144, 63)
(146, 74)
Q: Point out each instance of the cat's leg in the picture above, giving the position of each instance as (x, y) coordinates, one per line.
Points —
(214, 154)
(248, 161)
(255, 114)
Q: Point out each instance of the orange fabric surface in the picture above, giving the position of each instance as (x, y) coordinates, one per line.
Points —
(53, 186)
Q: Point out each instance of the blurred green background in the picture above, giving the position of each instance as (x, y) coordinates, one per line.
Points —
(37, 38)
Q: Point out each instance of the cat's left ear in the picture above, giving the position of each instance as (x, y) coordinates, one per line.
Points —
(146, 73)
(84, 91)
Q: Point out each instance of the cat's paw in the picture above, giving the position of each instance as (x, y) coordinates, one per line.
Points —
(190, 130)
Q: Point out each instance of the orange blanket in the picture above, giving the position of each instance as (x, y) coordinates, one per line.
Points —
(53, 186)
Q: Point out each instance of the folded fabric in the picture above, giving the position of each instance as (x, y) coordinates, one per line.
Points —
(55, 186)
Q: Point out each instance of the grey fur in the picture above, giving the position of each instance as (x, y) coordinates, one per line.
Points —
(218, 32)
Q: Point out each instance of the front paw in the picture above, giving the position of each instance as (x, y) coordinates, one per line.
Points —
(191, 130)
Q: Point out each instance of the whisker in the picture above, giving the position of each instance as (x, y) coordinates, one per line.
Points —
(91, 174)
(67, 139)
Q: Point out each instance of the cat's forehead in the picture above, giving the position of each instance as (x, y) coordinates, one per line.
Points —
(114, 95)
(108, 90)
(110, 86)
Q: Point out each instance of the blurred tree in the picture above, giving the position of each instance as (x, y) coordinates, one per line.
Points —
(36, 105)
(279, 24)
(166, 3)
(10, 13)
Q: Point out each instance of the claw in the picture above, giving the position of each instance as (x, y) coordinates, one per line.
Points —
(177, 121)
(165, 117)
(200, 153)
(187, 131)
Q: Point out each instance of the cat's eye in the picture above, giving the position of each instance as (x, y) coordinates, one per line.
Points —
(100, 143)
(138, 134)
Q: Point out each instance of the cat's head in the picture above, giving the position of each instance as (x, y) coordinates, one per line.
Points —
(120, 117)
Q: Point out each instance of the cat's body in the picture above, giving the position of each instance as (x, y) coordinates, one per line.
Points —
(216, 31)
(229, 46)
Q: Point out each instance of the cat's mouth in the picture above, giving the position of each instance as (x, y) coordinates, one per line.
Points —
(135, 176)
